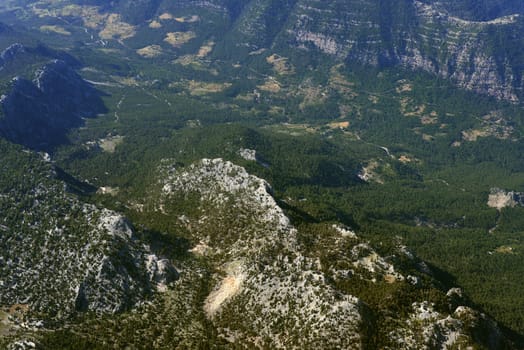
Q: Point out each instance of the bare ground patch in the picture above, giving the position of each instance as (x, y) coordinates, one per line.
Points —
(198, 88)
(270, 85)
(109, 143)
(155, 25)
(280, 64)
(55, 29)
(166, 16)
(150, 51)
(115, 28)
(205, 49)
(187, 19)
(492, 124)
(177, 39)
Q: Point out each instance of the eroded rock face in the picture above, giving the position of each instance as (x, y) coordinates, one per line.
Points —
(500, 199)
(419, 35)
(426, 328)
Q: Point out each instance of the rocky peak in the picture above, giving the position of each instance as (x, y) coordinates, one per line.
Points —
(275, 288)
(39, 113)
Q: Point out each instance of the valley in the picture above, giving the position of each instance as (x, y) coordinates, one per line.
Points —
(261, 174)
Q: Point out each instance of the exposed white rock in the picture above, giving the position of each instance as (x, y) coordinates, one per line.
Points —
(265, 279)
(115, 224)
(366, 258)
(22, 345)
(217, 180)
(323, 42)
(424, 311)
(369, 173)
(161, 272)
(248, 154)
(113, 191)
(45, 156)
(345, 232)
(200, 249)
(465, 61)
(267, 282)
(455, 292)
(414, 280)
(426, 328)
(500, 199)
(76, 257)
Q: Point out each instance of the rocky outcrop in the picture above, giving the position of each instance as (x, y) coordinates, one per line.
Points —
(466, 51)
(38, 114)
(417, 35)
(10, 53)
(264, 279)
(453, 40)
(268, 288)
(426, 328)
(59, 256)
(500, 199)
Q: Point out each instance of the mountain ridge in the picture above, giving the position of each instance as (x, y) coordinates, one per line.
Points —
(256, 171)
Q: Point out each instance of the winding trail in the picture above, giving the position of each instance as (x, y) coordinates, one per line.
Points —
(118, 105)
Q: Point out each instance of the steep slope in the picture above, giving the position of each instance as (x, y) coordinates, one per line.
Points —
(264, 276)
(40, 112)
(270, 286)
(251, 279)
(59, 255)
(480, 10)
(416, 35)
(248, 275)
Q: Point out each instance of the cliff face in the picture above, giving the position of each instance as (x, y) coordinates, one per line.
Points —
(477, 54)
(474, 44)
(470, 53)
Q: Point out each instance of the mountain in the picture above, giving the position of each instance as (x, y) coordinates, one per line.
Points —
(61, 256)
(42, 95)
(38, 113)
(475, 45)
(268, 280)
(271, 283)
(261, 174)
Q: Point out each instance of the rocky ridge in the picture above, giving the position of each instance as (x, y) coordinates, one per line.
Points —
(269, 283)
(38, 113)
(417, 35)
(61, 256)
(289, 285)
(269, 288)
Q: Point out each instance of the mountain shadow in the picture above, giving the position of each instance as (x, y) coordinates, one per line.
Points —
(39, 113)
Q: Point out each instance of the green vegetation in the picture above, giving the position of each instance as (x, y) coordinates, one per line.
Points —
(435, 200)
(430, 152)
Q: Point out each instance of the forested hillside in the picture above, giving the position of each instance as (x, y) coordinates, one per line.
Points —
(261, 174)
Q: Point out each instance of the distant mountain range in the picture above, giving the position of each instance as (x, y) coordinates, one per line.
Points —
(247, 174)
(477, 45)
